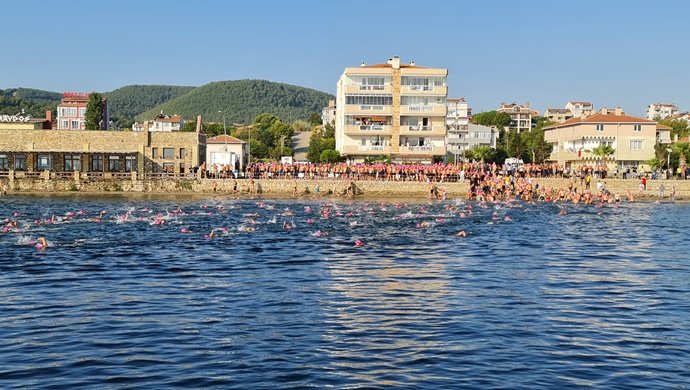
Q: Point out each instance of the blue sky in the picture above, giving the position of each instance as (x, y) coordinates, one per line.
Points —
(613, 53)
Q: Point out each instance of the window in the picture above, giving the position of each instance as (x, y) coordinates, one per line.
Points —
(637, 128)
(183, 153)
(181, 167)
(20, 162)
(130, 163)
(72, 162)
(44, 161)
(114, 163)
(63, 111)
(154, 152)
(636, 144)
(75, 125)
(168, 153)
(600, 127)
(73, 111)
(168, 167)
(97, 163)
(64, 124)
(82, 112)
(377, 100)
(4, 162)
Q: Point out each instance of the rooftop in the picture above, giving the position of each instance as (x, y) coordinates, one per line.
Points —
(224, 139)
(601, 118)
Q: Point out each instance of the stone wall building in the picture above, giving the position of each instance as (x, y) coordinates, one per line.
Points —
(97, 152)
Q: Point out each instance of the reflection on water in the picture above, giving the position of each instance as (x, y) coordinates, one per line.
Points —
(280, 296)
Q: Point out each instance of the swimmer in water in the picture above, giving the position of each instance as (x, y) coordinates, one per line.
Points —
(359, 243)
(41, 243)
(461, 233)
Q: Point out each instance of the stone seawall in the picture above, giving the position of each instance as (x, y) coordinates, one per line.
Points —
(282, 188)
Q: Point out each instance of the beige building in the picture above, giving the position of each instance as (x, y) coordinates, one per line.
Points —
(632, 138)
(580, 109)
(99, 152)
(558, 115)
(392, 109)
(520, 116)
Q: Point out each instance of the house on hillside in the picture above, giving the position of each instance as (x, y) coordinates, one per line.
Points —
(161, 122)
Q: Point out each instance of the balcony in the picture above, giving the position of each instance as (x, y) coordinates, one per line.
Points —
(364, 89)
(426, 150)
(423, 130)
(435, 109)
(367, 129)
(424, 90)
(367, 149)
(352, 109)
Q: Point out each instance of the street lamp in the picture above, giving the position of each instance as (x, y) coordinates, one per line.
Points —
(224, 131)
(668, 162)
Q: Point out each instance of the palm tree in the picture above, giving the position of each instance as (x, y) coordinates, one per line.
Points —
(603, 151)
(482, 153)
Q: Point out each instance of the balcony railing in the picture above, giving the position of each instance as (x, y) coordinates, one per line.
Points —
(420, 108)
(372, 127)
(371, 108)
(371, 87)
(379, 148)
(420, 148)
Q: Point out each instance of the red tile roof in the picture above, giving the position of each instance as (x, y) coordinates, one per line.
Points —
(662, 127)
(601, 118)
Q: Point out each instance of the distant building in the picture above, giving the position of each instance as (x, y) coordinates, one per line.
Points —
(328, 113)
(661, 110)
(22, 121)
(611, 111)
(558, 115)
(392, 109)
(71, 112)
(632, 138)
(161, 122)
(580, 109)
(520, 116)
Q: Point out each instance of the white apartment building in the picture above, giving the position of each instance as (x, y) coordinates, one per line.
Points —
(520, 116)
(161, 122)
(661, 110)
(464, 135)
(580, 109)
(328, 113)
(392, 109)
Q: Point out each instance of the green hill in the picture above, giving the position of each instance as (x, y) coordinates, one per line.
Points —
(242, 100)
(33, 101)
(132, 100)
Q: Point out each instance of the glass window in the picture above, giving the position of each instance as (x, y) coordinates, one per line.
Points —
(114, 163)
(600, 127)
(379, 100)
(636, 144)
(4, 162)
(44, 161)
(64, 124)
(154, 152)
(637, 128)
(168, 153)
(168, 167)
(20, 162)
(130, 163)
(75, 125)
(72, 162)
(183, 153)
(97, 163)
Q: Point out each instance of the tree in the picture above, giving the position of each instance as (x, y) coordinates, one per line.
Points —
(603, 151)
(482, 153)
(301, 126)
(330, 156)
(492, 118)
(94, 111)
(314, 119)
(514, 144)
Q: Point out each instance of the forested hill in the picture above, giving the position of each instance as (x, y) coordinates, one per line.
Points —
(132, 100)
(33, 101)
(242, 100)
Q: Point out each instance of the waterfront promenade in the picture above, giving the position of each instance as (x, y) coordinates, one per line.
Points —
(299, 188)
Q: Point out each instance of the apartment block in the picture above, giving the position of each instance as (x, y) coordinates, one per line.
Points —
(580, 109)
(393, 109)
(558, 115)
(661, 110)
(328, 113)
(520, 116)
